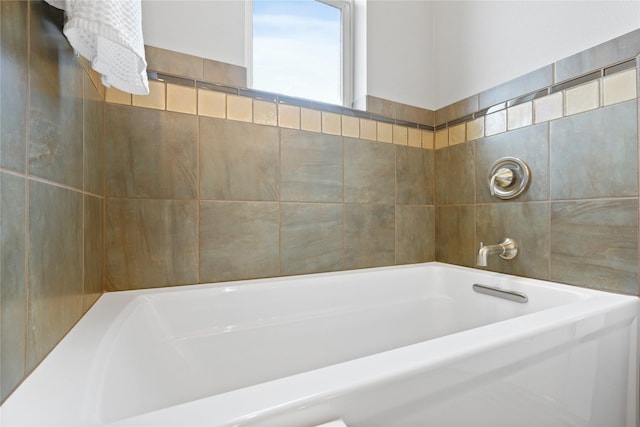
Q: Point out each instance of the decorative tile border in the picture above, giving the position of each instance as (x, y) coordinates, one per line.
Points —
(610, 85)
(187, 96)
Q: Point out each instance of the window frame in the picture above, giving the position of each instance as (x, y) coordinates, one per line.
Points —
(346, 35)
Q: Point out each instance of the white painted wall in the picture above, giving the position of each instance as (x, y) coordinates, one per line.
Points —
(213, 29)
(481, 44)
(423, 53)
(400, 54)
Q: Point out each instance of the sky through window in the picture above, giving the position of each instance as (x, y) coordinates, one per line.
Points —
(297, 49)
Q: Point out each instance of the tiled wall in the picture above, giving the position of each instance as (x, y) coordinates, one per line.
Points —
(51, 188)
(578, 221)
(204, 185)
(204, 182)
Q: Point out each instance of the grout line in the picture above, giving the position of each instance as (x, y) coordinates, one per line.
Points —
(198, 224)
(27, 290)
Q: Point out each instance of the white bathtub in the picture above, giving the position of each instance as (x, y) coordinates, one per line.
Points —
(399, 346)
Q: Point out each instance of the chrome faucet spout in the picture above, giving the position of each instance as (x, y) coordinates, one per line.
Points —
(507, 249)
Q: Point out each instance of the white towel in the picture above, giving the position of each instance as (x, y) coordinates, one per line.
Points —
(109, 34)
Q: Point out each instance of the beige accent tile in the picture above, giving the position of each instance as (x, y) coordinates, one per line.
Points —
(288, 116)
(415, 137)
(548, 108)
(239, 108)
(350, 126)
(368, 129)
(399, 135)
(442, 138)
(619, 87)
(520, 115)
(475, 129)
(457, 134)
(428, 139)
(582, 98)
(182, 99)
(385, 132)
(310, 120)
(495, 123)
(116, 96)
(331, 123)
(212, 104)
(155, 99)
(265, 113)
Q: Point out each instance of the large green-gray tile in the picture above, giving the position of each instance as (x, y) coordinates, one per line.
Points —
(93, 249)
(527, 83)
(609, 52)
(594, 154)
(455, 235)
(456, 110)
(238, 240)
(527, 224)
(55, 103)
(310, 238)
(415, 234)
(12, 282)
(150, 153)
(174, 63)
(93, 139)
(528, 144)
(55, 267)
(595, 244)
(369, 172)
(14, 72)
(151, 243)
(238, 161)
(311, 167)
(369, 236)
(414, 175)
(455, 174)
(224, 73)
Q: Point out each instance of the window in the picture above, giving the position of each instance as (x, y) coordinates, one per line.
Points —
(302, 48)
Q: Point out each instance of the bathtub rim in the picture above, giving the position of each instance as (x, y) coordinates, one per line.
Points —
(99, 318)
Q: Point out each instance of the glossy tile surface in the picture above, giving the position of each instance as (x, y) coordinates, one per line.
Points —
(55, 267)
(93, 236)
(606, 53)
(151, 243)
(238, 240)
(530, 82)
(238, 161)
(174, 63)
(94, 140)
(529, 144)
(595, 244)
(527, 224)
(414, 176)
(150, 154)
(369, 172)
(55, 106)
(369, 236)
(455, 174)
(14, 65)
(311, 167)
(455, 234)
(12, 281)
(310, 238)
(594, 154)
(415, 234)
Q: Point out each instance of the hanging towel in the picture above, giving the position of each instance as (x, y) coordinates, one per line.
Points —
(109, 34)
